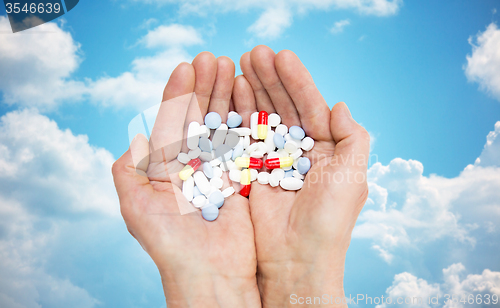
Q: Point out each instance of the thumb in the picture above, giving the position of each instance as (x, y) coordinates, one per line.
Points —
(352, 141)
(129, 171)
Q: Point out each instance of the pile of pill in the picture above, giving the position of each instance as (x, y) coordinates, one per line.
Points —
(216, 147)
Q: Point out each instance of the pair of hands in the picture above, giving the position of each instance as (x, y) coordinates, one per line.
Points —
(276, 243)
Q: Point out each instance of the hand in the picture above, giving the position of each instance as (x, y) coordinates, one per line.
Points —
(302, 237)
(202, 264)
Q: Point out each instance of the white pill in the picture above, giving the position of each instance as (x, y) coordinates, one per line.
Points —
(283, 153)
(183, 158)
(204, 131)
(217, 183)
(296, 154)
(269, 142)
(219, 136)
(215, 162)
(202, 182)
(272, 155)
(291, 183)
(295, 163)
(193, 135)
(274, 119)
(287, 168)
(257, 154)
(235, 175)
(287, 137)
(253, 174)
(199, 201)
(194, 153)
(254, 120)
(307, 144)
(252, 147)
(245, 155)
(262, 146)
(188, 188)
(231, 113)
(279, 173)
(291, 146)
(297, 175)
(205, 156)
(223, 166)
(274, 180)
(231, 165)
(228, 192)
(246, 142)
(281, 129)
(217, 172)
(212, 189)
(241, 131)
(263, 178)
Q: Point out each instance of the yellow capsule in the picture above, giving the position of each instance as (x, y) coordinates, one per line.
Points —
(189, 169)
(246, 177)
(262, 131)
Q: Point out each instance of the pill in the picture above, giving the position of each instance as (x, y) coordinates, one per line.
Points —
(269, 142)
(279, 141)
(248, 162)
(262, 146)
(245, 182)
(254, 122)
(217, 199)
(287, 168)
(287, 137)
(188, 188)
(257, 154)
(246, 142)
(252, 147)
(263, 178)
(193, 135)
(208, 170)
(253, 174)
(228, 191)
(288, 173)
(199, 201)
(194, 153)
(274, 180)
(262, 125)
(235, 175)
(183, 158)
(278, 173)
(206, 156)
(307, 144)
(295, 162)
(303, 165)
(210, 213)
(245, 154)
(242, 131)
(204, 131)
(196, 191)
(234, 121)
(232, 139)
(224, 152)
(231, 113)
(205, 144)
(291, 183)
(202, 182)
(296, 154)
(213, 120)
(237, 151)
(297, 132)
(274, 119)
(224, 167)
(217, 172)
(189, 169)
(281, 129)
(282, 153)
(219, 136)
(276, 163)
(215, 162)
(297, 175)
(291, 146)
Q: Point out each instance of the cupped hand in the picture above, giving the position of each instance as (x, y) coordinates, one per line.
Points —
(202, 264)
(302, 237)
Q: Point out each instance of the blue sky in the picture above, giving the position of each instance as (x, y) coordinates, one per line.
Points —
(421, 76)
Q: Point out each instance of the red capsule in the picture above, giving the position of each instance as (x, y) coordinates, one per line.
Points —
(249, 162)
(189, 169)
(279, 162)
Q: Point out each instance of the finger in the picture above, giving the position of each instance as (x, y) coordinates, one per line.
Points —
(244, 99)
(168, 129)
(262, 98)
(223, 87)
(205, 67)
(129, 171)
(263, 59)
(311, 106)
(352, 140)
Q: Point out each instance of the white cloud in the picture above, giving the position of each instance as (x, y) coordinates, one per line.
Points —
(407, 209)
(173, 35)
(483, 66)
(339, 26)
(36, 66)
(272, 22)
(418, 290)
